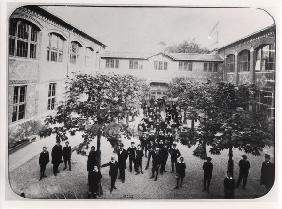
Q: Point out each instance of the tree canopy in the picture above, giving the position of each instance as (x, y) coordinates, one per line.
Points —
(187, 47)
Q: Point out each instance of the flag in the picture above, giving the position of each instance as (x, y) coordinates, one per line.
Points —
(213, 35)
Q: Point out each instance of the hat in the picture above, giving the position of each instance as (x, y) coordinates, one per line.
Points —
(209, 158)
(244, 156)
(267, 155)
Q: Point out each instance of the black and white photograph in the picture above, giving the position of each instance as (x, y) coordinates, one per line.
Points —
(140, 102)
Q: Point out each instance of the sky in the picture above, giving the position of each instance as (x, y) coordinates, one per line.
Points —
(142, 29)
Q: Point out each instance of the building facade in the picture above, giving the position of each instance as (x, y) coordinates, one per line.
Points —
(252, 60)
(43, 49)
(159, 69)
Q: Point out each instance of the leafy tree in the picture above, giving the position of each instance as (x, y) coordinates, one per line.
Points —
(95, 106)
(187, 47)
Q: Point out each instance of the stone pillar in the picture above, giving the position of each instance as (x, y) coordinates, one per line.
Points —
(236, 74)
(252, 65)
(224, 70)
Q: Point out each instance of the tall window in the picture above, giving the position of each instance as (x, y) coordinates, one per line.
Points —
(160, 65)
(19, 103)
(265, 58)
(51, 96)
(185, 66)
(112, 63)
(244, 61)
(88, 56)
(135, 64)
(55, 48)
(74, 52)
(230, 63)
(23, 39)
(210, 67)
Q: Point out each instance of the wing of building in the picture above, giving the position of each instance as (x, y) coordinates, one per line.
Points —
(252, 60)
(43, 49)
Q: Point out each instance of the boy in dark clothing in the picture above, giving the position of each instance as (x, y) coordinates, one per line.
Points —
(67, 155)
(138, 160)
(122, 156)
(156, 164)
(244, 165)
(94, 177)
(207, 167)
(43, 161)
(164, 156)
(180, 172)
(113, 172)
(57, 153)
(229, 186)
(174, 154)
(131, 151)
(151, 150)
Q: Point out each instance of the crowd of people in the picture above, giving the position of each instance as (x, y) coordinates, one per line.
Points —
(157, 131)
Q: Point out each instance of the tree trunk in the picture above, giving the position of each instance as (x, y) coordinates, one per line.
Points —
(192, 124)
(230, 168)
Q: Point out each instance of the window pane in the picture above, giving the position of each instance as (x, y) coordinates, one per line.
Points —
(160, 65)
(33, 34)
(60, 59)
(49, 90)
(22, 48)
(54, 56)
(117, 64)
(190, 66)
(22, 93)
(180, 65)
(54, 41)
(32, 51)
(11, 46)
(49, 104)
(112, 63)
(107, 63)
(53, 89)
(23, 30)
(21, 111)
(130, 64)
(135, 64)
(205, 67)
(156, 65)
(12, 27)
(15, 113)
(210, 67)
(215, 67)
(16, 94)
(52, 103)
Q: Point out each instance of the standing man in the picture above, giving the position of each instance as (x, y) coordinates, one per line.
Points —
(67, 155)
(244, 165)
(151, 150)
(174, 154)
(207, 167)
(43, 161)
(113, 172)
(92, 159)
(138, 160)
(267, 173)
(57, 153)
(131, 151)
(122, 157)
(229, 186)
(94, 178)
(156, 164)
(164, 156)
(180, 172)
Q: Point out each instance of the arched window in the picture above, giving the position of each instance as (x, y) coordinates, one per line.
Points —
(88, 56)
(230, 63)
(55, 49)
(74, 52)
(23, 38)
(265, 58)
(244, 61)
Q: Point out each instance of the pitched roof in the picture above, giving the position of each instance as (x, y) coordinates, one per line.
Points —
(194, 57)
(55, 18)
(124, 55)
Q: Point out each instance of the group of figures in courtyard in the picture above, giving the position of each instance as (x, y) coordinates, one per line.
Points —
(157, 135)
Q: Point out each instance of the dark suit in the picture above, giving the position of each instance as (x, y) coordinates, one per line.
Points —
(57, 153)
(156, 165)
(244, 172)
(43, 161)
(267, 174)
(207, 167)
(138, 160)
(122, 157)
(131, 155)
(93, 182)
(113, 172)
(164, 156)
(174, 154)
(92, 160)
(67, 156)
(229, 188)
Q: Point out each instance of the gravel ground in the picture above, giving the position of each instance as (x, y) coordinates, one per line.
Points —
(73, 184)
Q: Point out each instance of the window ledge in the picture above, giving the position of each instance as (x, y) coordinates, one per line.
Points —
(23, 59)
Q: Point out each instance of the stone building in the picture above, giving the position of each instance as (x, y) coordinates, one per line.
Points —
(43, 49)
(159, 69)
(252, 60)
